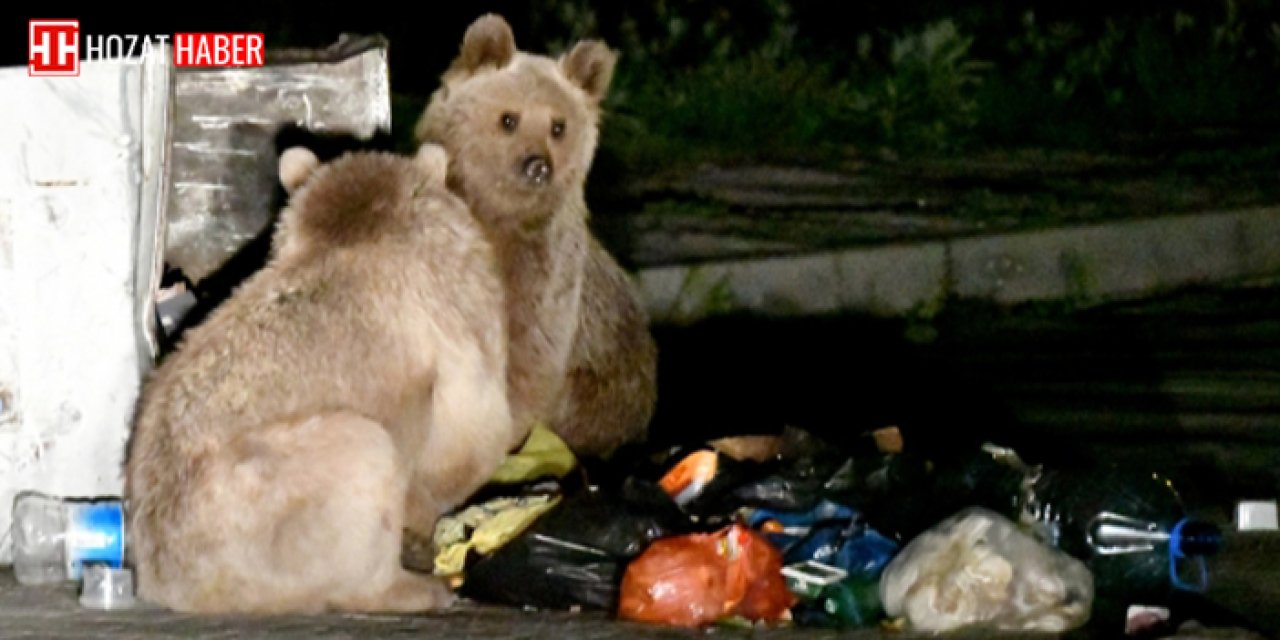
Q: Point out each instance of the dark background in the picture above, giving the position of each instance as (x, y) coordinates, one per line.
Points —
(1193, 84)
(837, 85)
(800, 74)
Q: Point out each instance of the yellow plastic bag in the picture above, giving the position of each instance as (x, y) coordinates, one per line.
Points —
(492, 524)
(543, 455)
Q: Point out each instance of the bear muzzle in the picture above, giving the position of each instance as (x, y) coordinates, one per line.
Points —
(537, 169)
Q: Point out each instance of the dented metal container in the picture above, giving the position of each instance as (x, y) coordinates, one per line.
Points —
(226, 122)
(83, 162)
(106, 178)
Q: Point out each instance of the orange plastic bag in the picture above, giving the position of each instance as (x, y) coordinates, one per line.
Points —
(697, 579)
(685, 480)
(757, 575)
(678, 581)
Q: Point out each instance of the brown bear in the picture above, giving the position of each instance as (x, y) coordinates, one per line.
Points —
(353, 388)
(521, 132)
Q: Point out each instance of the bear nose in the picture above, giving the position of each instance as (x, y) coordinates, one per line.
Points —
(537, 169)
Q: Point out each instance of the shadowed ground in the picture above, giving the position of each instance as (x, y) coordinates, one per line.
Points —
(1035, 369)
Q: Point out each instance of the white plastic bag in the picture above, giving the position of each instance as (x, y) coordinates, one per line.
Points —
(978, 568)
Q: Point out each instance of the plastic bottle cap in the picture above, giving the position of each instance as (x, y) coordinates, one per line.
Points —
(106, 588)
(1192, 540)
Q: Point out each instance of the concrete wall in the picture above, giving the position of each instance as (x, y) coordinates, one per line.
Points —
(1087, 264)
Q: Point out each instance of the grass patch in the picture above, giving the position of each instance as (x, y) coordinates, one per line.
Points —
(925, 90)
(749, 107)
(768, 106)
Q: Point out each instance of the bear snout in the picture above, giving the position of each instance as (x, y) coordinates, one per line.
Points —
(537, 169)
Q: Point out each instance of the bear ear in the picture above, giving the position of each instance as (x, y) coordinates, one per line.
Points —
(296, 166)
(488, 41)
(590, 66)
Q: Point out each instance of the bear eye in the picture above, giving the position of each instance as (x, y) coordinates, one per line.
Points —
(510, 121)
(557, 129)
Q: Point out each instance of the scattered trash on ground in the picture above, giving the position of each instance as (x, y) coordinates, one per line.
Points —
(786, 530)
(1257, 515)
(697, 579)
(543, 455)
(1130, 528)
(485, 528)
(775, 530)
(54, 539)
(575, 555)
(976, 569)
(106, 588)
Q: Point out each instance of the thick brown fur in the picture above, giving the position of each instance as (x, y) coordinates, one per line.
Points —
(582, 358)
(352, 389)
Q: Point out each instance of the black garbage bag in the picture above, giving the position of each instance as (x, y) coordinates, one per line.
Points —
(904, 495)
(801, 484)
(576, 554)
(799, 477)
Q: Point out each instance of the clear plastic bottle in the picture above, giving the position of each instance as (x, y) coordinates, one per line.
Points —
(54, 538)
(1130, 528)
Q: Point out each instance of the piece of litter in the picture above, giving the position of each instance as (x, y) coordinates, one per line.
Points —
(543, 454)
(106, 588)
(1143, 619)
(1256, 515)
(808, 579)
(888, 439)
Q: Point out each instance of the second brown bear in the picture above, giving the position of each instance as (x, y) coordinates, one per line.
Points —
(521, 131)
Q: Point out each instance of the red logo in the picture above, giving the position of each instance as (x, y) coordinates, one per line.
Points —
(53, 48)
(217, 49)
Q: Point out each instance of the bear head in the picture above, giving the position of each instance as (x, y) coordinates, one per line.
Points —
(358, 198)
(520, 129)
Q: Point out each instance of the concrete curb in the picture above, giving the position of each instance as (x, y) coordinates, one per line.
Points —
(1086, 264)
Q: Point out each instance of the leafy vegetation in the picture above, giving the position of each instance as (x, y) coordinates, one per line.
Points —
(770, 80)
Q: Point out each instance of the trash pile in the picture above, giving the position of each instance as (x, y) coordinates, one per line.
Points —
(769, 530)
(787, 530)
